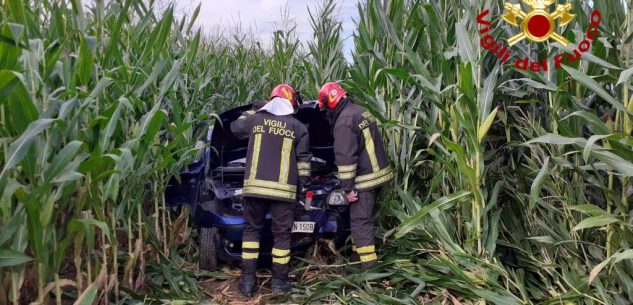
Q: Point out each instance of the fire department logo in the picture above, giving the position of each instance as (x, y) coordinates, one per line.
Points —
(538, 25)
(287, 93)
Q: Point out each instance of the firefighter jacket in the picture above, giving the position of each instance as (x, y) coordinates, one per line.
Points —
(358, 148)
(278, 156)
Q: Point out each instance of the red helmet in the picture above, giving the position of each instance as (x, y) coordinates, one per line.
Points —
(284, 91)
(330, 94)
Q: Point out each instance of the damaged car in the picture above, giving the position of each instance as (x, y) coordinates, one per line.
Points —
(212, 189)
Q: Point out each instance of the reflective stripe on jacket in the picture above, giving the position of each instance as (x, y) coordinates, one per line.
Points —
(278, 156)
(360, 154)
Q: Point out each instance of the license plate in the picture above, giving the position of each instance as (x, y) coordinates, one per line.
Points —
(303, 227)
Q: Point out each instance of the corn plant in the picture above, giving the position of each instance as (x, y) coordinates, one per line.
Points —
(513, 186)
(326, 62)
(284, 66)
(98, 108)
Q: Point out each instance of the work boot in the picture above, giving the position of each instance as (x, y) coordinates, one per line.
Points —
(280, 285)
(247, 285)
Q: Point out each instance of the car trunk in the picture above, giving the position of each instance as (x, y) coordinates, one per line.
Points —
(227, 160)
(226, 148)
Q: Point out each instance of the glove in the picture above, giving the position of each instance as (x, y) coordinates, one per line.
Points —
(352, 196)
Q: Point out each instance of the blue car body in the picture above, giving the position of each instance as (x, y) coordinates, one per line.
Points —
(211, 187)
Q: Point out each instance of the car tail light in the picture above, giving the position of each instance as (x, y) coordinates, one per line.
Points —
(337, 198)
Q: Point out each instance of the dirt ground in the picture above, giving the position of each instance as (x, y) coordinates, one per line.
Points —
(226, 292)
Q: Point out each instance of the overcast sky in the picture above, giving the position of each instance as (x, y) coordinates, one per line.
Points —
(259, 16)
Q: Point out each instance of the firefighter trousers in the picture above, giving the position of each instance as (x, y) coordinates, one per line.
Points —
(282, 213)
(362, 227)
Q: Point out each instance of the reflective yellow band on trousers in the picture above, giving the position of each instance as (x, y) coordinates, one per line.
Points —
(279, 252)
(304, 172)
(368, 258)
(349, 175)
(347, 168)
(284, 166)
(281, 260)
(250, 245)
(371, 149)
(247, 255)
(375, 182)
(303, 165)
(257, 143)
(268, 192)
(367, 249)
(270, 185)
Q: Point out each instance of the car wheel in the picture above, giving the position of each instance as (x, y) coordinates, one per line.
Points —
(193, 209)
(208, 248)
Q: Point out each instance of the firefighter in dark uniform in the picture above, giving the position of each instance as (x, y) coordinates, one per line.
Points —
(277, 167)
(363, 165)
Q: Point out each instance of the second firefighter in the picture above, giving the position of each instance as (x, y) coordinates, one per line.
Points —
(362, 162)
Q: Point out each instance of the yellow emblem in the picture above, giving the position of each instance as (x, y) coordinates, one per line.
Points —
(287, 93)
(538, 24)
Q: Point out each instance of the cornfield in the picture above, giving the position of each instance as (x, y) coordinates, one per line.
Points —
(512, 187)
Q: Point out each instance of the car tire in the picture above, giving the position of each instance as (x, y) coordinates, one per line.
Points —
(193, 209)
(208, 248)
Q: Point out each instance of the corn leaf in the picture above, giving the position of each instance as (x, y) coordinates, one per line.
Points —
(414, 221)
(11, 258)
